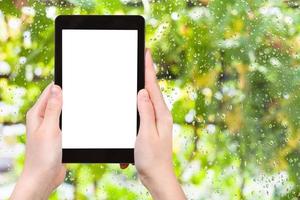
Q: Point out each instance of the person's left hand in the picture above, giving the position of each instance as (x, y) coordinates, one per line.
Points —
(43, 170)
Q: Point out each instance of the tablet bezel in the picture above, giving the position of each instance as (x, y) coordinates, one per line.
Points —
(106, 22)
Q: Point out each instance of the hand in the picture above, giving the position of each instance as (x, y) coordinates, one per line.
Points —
(153, 147)
(43, 170)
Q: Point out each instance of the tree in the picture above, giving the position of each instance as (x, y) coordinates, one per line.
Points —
(229, 71)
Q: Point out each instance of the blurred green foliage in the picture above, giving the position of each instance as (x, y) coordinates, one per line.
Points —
(229, 70)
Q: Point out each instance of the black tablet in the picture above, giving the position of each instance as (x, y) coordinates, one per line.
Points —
(99, 63)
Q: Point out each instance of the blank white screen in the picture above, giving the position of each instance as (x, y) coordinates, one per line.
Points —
(99, 77)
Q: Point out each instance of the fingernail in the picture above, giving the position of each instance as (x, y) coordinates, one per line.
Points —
(55, 90)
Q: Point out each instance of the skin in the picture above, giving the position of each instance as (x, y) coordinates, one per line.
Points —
(43, 170)
(42, 174)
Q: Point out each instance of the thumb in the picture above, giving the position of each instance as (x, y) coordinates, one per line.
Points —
(146, 112)
(53, 108)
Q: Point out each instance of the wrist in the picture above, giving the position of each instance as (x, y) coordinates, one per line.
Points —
(156, 177)
(30, 187)
(163, 185)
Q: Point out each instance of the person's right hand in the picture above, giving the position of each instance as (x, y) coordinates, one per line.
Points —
(153, 147)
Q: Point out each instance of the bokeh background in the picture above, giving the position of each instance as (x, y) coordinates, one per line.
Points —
(229, 71)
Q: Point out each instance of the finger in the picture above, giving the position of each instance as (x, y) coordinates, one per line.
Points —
(36, 113)
(153, 88)
(53, 109)
(41, 103)
(60, 177)
(146, 112)
(162, 113)
(124, 165)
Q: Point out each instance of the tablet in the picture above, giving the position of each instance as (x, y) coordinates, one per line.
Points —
(99, 63)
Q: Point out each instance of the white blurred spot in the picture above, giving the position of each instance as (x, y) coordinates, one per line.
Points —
(229, 90)
(190, 116)
(38, 71)
(51, 12)
(6, 109)
(28, 11)
(4, 68)
(14, 23)
(269, 11)
(16, 129)
(288, 20)
(198, 13)
(153, 22)
(207, 92)
(286, 96)
(27, 39)
(275, 62)
(175, 16)
(234, 12)
(22, 60)
(3, 28)
(211, 128)
(28, 73)
(218, 95)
